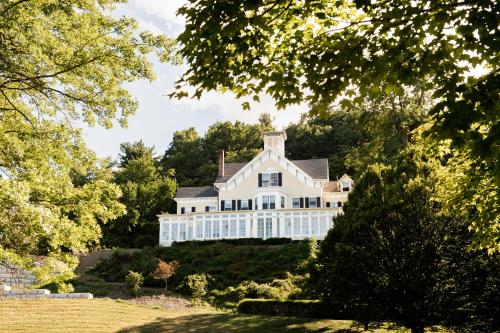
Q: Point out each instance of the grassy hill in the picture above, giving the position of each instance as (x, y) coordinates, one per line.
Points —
(228, 264)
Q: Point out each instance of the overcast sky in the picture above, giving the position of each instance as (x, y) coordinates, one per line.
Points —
(158, 117)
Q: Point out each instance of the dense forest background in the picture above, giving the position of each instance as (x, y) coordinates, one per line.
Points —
(351, 139)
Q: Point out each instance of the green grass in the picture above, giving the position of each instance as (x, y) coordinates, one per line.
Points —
(105, 315)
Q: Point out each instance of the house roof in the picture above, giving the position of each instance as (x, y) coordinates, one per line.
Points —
(229, 170)
(196, 192)
(316, 168)
(331, 187)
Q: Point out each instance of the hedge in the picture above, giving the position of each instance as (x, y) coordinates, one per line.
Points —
(288, 308)
(238, 241)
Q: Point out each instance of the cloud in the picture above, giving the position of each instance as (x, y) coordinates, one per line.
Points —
(164, 10)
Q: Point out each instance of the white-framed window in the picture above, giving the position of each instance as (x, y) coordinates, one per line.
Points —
(266, 179)
(314, 226)
(208, 229)
(190, 233)
(228, 205)
(244, 205)
(313, 202)
(274, 179)
(182, 231)
(225, 228)
(282, 202)
(166, 229)
(346, 186)
(243, 228)
(305, 226)
(269, 227)
(260, 227)
(288, 226)
(322, 225)
(296, 203)
(216, 230)
(199, 229)
(256, 202)
(296, 225)
(268, 202)
(270, 179)
(175, 228)
(232, 228)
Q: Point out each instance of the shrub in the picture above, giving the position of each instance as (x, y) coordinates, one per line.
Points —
(145, 240)
(288, 308)
(164, 270)
(134, 282)
(197, 285)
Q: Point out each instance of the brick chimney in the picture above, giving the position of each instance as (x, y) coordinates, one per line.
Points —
(221, 163)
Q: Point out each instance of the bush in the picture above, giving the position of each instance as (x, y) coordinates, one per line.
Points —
(134, 282)
(288, 308)
(145, 240)
(237, 242)
(197, 285)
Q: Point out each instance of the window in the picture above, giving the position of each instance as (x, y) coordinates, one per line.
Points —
(175, 228)
(265, 202)
(193, 209)
(208, 229)
(288, 226)
(243, 228)
(182, 231)
(305, 226)
(339, 204)
(225, 228)
(314, 225)
(260, 228)
(346, 186)
(322, 225)
(228, 205)
(313, 203)
(244, 205)
(272, 202)
(183, 210)
(216, 231)
(296, 226)
(190, 233)
(232, 228)
(268, 202)
(212, 208)
(282, 202)
(269, 227)
(274, 179)
(256, 203)
(268, 179)
(165, 231)
(296, 203)
(199, 229)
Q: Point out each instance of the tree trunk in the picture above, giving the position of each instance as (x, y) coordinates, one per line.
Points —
(166, 284)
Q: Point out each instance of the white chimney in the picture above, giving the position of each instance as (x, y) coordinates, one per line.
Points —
(275, 141)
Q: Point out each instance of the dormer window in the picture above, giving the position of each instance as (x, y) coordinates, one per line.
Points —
(269, 179)
(346, 186)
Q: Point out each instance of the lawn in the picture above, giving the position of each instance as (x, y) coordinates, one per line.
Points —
(106, 315)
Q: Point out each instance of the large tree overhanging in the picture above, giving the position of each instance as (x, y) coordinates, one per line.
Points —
(324, 51)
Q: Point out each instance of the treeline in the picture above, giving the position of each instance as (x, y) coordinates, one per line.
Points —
(350, 138)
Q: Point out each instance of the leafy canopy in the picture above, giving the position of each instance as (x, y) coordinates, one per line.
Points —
(325, 51)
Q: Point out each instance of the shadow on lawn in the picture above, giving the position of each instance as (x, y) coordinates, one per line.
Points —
(219, 323)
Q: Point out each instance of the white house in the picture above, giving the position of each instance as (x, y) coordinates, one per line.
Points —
(270, 196)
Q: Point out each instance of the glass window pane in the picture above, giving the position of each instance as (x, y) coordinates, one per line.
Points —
(288, 226)
(260, 228)
(208, 229)
(225, 228)
(296, 226)
(322, 225)
(296, 202)
(216, 229)
(243, 228)
(232, 228)
(305, 226)
(175, 228)
(182, 233)
(274, 179)
(314, 226)
(269, 227)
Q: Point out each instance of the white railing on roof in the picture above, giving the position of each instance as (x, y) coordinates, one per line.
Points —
(284, 223)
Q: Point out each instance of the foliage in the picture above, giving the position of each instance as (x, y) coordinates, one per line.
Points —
(60, 63)
(197, 284)
(330, 53)
(134, 282)
(146, 193)
(227, 264)
(285, 308)
(164, 270)
(394, 255)
(194, 158)
(278, 289)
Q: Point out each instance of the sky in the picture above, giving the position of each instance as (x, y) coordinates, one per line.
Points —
(158, 116)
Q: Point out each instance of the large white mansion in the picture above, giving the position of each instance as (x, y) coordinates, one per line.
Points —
(270, 196)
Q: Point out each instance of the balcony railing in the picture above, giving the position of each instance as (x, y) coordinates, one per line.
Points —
(286, 223)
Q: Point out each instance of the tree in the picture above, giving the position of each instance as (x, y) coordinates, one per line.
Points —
(328, 52)
(146, 193)
(164, 270)
(395, 256)
(62, 62)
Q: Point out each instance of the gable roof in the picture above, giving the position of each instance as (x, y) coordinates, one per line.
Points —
(196, 192)
(315, 168)
(229, 170)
